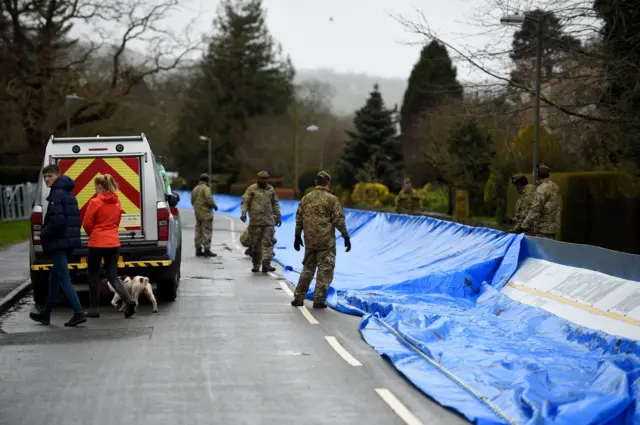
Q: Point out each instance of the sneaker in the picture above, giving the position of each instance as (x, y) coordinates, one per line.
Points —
(297, 303)
(76, 319)
(319, 304)
(93, 314)
(41, 317)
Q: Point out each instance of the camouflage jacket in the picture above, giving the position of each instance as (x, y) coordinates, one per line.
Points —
(523, 205)
(262, 205)
(407, 202)
(202, 201)
(319, 215)
(546, 207)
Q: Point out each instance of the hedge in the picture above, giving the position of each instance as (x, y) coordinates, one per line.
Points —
(599, 208)
(17, 174)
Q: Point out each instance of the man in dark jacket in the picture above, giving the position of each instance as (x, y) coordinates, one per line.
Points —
(60, 235)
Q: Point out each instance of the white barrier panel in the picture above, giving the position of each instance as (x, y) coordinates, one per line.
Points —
(587, 298)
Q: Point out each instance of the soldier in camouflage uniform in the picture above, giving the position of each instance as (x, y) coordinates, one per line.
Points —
(408, 201)
(203, 203)
(546, 207)
(525, 190)
(261, 202)
(319, 215)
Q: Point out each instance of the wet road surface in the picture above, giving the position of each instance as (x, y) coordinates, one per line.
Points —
(229, 350)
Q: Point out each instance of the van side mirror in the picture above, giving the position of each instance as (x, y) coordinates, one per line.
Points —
(173, 199)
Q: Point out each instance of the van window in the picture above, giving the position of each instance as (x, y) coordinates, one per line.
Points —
(159, 183)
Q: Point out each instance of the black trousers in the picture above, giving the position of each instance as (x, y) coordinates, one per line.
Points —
(110, 257)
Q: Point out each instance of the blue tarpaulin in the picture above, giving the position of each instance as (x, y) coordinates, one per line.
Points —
(429, 294)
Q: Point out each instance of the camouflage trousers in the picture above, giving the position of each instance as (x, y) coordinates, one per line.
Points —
(204, 230)
(325, 262)
(546, 235)
(261, 238)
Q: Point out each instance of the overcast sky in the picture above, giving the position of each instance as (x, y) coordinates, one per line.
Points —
(353, 35)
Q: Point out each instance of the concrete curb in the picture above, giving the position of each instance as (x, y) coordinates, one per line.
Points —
(14, 296)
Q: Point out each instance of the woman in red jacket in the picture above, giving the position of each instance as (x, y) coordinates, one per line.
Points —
(101, 222)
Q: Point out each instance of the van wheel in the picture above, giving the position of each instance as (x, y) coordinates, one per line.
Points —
(40, 285)
(168, 288)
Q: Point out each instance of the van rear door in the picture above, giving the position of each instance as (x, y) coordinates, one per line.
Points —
(126, 171)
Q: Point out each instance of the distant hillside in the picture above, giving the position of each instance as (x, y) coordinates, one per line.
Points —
(352, 90)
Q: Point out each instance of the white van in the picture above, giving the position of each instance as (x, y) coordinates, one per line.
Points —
(150, 232)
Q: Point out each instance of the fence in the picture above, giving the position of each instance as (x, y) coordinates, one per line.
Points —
(16, 201)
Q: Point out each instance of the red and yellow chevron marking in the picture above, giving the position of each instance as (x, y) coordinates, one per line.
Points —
(125, 171)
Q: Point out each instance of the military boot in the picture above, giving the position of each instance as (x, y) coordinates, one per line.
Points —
(319, 304)
(266, 268)
(297, 303)
(198, 252)
(256, 268)
(207, 253)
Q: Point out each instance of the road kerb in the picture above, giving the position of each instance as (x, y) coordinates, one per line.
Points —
(14, 296)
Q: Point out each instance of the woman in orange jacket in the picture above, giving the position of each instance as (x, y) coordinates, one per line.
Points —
(101, 222)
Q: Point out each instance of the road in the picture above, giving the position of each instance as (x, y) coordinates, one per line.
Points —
(229, 350)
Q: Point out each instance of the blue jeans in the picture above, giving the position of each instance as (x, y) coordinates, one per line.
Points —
(59, 276)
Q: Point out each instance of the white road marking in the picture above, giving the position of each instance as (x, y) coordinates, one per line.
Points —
(286, 289)
(232, 224)
(346, 356)
(397, 406)
(308, 315)
(273, 275)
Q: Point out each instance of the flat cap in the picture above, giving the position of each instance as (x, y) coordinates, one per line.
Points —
(263, 174)
(324, 174)
(543, 166)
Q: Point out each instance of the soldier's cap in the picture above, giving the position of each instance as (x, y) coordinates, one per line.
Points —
(204, 176)
(519, 178)
(543, 166)
(263, 175)
(407, 181)
(324, 174)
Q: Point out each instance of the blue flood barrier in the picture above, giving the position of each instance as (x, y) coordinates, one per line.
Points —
(429, 294)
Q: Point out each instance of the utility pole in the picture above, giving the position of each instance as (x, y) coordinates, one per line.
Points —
(536, 119)
(208, 140)
(296, 148)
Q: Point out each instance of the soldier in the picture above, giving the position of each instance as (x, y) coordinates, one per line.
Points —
(203, 203)
(525, 190)
(408, 201)
(544, 215)
(319, 215)
(261, 201)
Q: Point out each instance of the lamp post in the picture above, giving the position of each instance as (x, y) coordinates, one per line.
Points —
(313, 129)
(67, 98)
(208, 140)
(519, 20)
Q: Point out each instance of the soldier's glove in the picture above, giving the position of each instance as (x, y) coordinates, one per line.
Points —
(298, 243)
(278, 223)
(215, 208)
(347, 244)
(243, 218)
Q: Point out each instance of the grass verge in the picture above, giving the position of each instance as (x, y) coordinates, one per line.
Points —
(14, 231)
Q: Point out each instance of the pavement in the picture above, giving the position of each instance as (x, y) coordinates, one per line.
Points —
(14, 274)
(230, 350)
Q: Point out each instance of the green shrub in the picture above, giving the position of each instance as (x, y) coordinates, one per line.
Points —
(17, 174)
(307, 179)
(369, 194)
(389, 200)
(599, 208)
(434, 198)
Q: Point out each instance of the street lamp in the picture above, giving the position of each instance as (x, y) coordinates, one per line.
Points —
(519, 20)
(208, 140)
(313, 129)
(67, 98)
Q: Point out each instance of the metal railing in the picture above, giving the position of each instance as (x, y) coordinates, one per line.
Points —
(16, 201)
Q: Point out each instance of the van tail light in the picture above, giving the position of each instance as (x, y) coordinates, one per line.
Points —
(36, 225)
(163, 221)
(174, 211)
